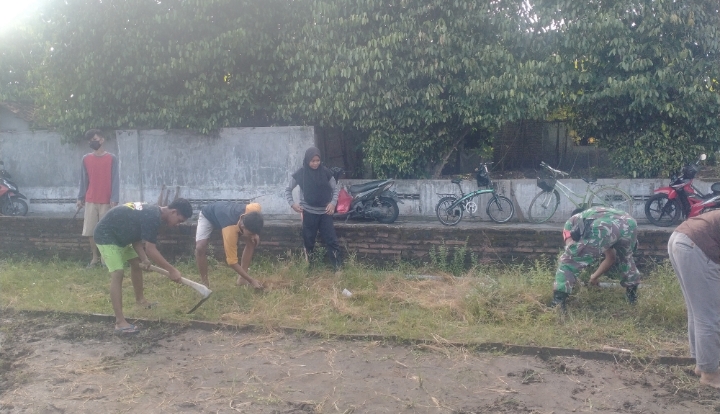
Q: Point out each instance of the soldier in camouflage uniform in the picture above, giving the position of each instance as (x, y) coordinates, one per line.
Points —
(588, 235)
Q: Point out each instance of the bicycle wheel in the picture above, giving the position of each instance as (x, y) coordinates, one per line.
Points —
(500, 209)
(543, 206)
(613, 197)
(448, 217)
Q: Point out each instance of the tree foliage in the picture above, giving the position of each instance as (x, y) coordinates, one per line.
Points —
(417, 75)
(414, 76)
(146, 64)
(641, 76)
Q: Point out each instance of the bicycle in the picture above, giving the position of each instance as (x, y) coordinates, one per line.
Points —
(546, 202)
(450, 208)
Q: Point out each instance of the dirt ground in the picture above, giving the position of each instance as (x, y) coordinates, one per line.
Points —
(68, 365)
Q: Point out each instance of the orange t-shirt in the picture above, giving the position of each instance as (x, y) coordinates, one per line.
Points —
(231, 234)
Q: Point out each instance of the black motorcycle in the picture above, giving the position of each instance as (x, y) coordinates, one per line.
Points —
(372, 200)
(12, 202)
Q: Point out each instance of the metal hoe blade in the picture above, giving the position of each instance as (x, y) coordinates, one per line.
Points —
(199, 303)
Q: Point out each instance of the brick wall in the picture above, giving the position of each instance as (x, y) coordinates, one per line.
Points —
(44, 237)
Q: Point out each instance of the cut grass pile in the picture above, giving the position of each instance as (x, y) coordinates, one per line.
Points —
(485, 304)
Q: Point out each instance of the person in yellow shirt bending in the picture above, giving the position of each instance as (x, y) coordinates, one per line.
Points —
(237, 221)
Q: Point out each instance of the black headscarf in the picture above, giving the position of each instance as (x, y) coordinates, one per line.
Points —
(315, 184)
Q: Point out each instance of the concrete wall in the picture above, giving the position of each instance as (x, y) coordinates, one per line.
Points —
(237, 164)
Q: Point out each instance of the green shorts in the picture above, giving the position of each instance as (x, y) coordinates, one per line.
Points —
(116, 256)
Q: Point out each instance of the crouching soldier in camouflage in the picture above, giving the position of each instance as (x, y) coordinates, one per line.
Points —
(587, 236)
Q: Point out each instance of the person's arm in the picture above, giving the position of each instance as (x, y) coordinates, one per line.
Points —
(84, 181)
(605, 265)
(230, 243)
(115, 182)
(289, 197)
(153, 253)
(330, 209)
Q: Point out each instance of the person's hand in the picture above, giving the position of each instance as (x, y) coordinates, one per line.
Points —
(255, 239)
(80, 204)
(145, 264)
(175, 275)
(594, 282)
(330, 208)
(297, 208)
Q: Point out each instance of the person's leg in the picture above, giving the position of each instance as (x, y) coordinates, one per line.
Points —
(90, 220)
(94, 249)
(576, 257)
(114, 261)
(202, 239)
(701, 282)
(136, 276)
(116, 279)
(674, 252)
(201, 260)
(102, 210)
(310, 226)
(329, 238)
(626, 264)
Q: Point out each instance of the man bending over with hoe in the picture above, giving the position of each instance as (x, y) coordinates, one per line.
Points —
(236, 221)
(590, 234)
(120, 235)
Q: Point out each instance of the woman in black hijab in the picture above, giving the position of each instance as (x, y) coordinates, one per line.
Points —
(318, 197)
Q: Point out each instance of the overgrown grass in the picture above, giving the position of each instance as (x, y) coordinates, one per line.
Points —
(485, 304)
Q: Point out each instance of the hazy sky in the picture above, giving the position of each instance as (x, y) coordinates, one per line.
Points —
(10, 10)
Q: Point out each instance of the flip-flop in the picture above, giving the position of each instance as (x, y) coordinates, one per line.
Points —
(132, 329)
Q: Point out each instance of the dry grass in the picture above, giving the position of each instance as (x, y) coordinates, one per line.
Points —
(487, 304)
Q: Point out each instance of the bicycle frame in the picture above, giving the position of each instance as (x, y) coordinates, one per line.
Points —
(464, 198)
(572, 196)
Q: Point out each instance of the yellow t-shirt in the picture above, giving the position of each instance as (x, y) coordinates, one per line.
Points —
(230, 236)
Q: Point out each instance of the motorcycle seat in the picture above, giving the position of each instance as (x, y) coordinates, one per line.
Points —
(589, 180)
(359, 188)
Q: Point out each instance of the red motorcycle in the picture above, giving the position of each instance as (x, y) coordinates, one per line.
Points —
(12, 202)
(681, 198)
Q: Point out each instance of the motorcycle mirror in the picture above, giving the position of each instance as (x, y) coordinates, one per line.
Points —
(703, 157)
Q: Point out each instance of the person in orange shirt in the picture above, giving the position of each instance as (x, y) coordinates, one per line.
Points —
(237, 221)
(99, 187)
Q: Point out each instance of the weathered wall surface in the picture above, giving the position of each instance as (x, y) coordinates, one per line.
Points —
(44, 238)
(237, 164)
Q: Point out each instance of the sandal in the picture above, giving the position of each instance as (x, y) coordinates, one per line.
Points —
(132, 329)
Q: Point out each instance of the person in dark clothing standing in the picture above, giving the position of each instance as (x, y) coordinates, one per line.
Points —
(318, 197)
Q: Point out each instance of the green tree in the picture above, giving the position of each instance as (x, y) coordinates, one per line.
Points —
(640, 75)
(145, 64)
(416, 75)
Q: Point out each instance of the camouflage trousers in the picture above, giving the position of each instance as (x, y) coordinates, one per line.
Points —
(609, 231)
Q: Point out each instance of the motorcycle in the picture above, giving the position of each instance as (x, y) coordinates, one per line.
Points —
(372, 200)
(12, 202)
(681, 199)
